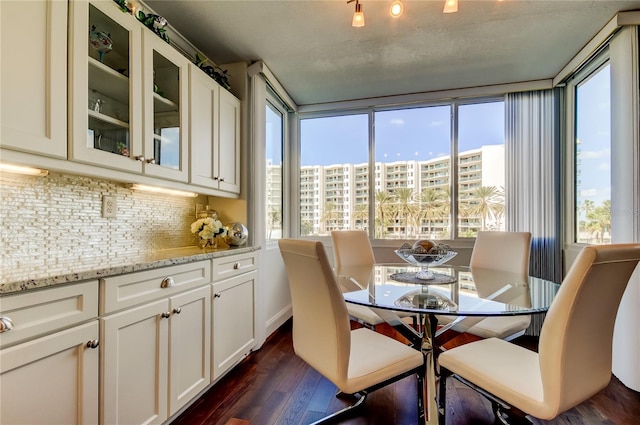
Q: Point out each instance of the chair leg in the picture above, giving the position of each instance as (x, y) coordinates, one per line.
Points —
(358, 403)
(421, 390)
(442, 395)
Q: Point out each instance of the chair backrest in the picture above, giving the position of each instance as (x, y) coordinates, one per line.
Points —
(508, 251)
(321, 329)
(577, 335)
(352, 248)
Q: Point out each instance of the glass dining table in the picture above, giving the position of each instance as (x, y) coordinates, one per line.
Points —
(421, 309)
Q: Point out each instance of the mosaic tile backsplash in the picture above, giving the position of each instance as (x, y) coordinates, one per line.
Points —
(53, 225)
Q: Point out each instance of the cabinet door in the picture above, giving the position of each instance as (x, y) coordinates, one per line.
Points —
(203, 129)
(52, 379)
(33, 81)
(166, 130)
(190, 346)
(134, 365)
(233, 322)
(228, 161)
(105, 78)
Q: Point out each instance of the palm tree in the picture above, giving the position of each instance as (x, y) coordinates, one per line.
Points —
(273, 219)
(486, 202)
(384, 199)
(361, 214)
(405, 208)
(599, 220)
(433, 205)
(330, 215)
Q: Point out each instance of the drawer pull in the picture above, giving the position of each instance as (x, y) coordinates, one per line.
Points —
(6, 324)
(177, 310)
(217, 295)
(236, 266)
(93, 343)
(166, 315)
(167, 282)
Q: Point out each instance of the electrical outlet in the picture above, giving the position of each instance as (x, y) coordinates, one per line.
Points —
(108, 206)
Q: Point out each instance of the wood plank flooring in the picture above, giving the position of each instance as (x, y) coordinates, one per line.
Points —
(273, 386)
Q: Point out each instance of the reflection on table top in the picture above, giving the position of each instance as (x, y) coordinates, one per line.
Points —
(477, 292)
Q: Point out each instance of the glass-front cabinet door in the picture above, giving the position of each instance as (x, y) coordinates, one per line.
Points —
(106, 82)
(165, 91)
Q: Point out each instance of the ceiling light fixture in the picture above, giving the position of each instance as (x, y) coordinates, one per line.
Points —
(450, 6)
(358, 15)
(154, 189)
(396, 8)
(20, 169)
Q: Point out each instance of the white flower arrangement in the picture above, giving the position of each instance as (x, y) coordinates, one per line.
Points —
(207, 228)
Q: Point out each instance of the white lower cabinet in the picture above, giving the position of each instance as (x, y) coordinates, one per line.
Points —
(155, 358)
(52, 379)
(233, 311)
(49, 356)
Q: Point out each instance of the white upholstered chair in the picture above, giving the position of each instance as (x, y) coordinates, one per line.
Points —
(357, 361)
(352, 251)
(505, 251)
(575, 349)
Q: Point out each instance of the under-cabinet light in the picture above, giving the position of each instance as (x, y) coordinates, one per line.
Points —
(20, 169)
(163, 190)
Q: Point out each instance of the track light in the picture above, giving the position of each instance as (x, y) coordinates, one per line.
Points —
(358, 15)
(450, 6)
(396, 8)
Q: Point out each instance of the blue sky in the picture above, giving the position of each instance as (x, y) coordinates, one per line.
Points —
(594, 132)
(400, 135)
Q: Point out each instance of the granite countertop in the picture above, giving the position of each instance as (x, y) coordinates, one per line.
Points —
(154, 260)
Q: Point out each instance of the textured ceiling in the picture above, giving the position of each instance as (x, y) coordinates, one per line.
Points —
(318, 57)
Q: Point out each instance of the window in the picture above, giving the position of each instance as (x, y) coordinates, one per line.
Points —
(275, 118)
(334, 155)
(481, 168)
(592, 154)
(409, 195)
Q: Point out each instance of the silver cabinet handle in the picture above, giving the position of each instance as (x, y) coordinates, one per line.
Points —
(167, 282)
(221, 179)
(6, 324)
(216, 178)
(93, 343)
(166, 315)
(177, 310)
(217, 295)
(151, 161)
(140, 158)
(236, 266)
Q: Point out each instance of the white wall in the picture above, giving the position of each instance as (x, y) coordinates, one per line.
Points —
(625, 195)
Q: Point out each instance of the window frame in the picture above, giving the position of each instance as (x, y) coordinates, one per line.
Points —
(454, 104)
(274, 101)
(595, 64)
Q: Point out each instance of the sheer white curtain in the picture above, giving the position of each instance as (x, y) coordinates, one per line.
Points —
(532, 151)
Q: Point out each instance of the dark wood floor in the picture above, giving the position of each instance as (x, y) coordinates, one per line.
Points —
(273, 386)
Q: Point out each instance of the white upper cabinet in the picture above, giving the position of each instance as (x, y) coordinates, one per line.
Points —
(229, 142)
(166, 85)
(105, 50)
(33, 88)
(215, 134)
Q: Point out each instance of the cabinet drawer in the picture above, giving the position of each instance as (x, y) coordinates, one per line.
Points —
(226, 267)
(124, 291)
(40, 312)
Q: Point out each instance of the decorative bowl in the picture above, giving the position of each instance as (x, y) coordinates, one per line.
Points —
(425, 260)
(422, 299)
(438, 254)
